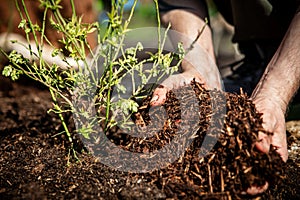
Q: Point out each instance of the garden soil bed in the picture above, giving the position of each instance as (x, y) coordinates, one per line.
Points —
(35, 161)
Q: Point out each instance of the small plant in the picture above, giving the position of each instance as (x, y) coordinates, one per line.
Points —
(113, 76)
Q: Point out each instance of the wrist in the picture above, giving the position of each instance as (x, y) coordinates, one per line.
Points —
(270, 97)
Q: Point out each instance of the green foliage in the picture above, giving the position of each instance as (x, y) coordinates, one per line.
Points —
(12, 72)
(91, 79)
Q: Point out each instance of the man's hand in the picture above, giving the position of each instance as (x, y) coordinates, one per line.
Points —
(199, 61)
(276, 88)
(173, 82)
(274, 122)
(197, 64)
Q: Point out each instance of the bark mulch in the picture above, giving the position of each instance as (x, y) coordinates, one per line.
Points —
(36, 161)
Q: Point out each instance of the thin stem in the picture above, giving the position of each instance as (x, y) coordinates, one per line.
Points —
(27, 35)
(130, 15)
(158, 27)
(61, 116)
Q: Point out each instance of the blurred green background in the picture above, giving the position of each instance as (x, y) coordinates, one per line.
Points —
(144, 14)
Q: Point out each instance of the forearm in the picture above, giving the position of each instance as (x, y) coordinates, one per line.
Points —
(189, 25)
(281, 79)
(199, 60)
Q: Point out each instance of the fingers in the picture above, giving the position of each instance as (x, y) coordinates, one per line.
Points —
(264, 141)
(159, 96)
(264, 144)
(273, 122)
(283, 153)
(254, 190)
(279, 142)
(173, 82)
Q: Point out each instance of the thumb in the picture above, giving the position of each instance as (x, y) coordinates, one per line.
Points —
(159, 96)
(172, 82)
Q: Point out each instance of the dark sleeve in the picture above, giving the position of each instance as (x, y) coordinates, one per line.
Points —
(197, 7)
(225, 8)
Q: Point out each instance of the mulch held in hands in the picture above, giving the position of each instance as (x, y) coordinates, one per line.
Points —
(33, 163)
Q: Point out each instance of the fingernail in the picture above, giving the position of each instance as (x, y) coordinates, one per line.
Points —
(155, 98)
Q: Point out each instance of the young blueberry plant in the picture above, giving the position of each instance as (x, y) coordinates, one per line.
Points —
(113, 76)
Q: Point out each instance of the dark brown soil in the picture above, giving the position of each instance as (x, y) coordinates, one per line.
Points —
(35, 162)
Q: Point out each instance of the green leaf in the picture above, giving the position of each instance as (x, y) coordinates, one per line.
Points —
(7, 70)
(10, 71)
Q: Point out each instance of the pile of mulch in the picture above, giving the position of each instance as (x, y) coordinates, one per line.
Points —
(227, 164)
(36, 161)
